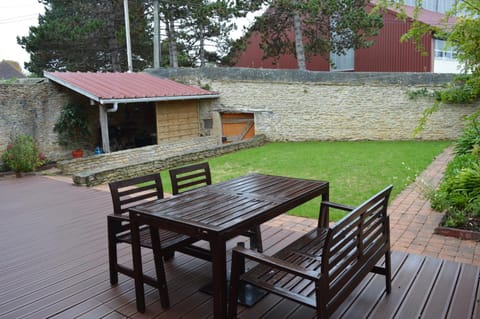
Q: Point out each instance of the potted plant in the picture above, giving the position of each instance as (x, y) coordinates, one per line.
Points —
(72, 128)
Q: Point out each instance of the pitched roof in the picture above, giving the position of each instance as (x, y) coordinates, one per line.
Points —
(107, 88)
(7, 71)
(432, 18)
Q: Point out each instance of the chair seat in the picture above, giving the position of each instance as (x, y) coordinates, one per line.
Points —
(305, 253)
(169, 240)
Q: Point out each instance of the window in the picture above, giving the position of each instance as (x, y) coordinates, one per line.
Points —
(443, 53)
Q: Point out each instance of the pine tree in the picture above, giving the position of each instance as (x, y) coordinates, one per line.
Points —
(87, 35)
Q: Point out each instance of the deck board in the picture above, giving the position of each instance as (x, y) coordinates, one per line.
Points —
(54, 264)
(462, 304)
(412, 304)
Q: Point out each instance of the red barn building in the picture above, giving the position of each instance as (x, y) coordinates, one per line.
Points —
(388, 54)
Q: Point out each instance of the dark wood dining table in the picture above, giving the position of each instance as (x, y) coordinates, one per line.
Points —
(219, 212)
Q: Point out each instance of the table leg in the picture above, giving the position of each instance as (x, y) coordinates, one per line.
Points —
(219, 270)
(324, 220)
(137, 264)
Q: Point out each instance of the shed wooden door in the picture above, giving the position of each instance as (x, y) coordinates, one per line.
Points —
(177, 120)
(237, 126)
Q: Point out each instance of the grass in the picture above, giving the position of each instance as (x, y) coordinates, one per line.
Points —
(355, 170)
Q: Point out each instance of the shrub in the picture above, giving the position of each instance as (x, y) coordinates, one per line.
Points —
(464, 89)
(459, 193)
(458, 163)
(470, 137)
(72, 126)
(22, 155)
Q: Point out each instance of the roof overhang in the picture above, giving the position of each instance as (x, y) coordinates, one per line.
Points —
(75, 86)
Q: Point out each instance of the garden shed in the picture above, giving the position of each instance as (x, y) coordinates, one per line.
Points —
(152, 109)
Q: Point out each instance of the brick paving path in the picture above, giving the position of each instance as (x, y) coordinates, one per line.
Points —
(412, 221)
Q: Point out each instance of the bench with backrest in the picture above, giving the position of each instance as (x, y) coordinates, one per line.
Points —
(324, 266)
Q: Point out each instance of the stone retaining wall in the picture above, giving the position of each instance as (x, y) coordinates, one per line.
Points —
(133, 156)
(291, 105)
(31, 107)
(104, 168)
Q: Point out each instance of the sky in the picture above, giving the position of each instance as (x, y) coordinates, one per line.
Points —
(16, 16)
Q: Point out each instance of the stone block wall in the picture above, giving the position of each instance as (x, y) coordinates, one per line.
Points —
(132, 156)
(291, 105)
(293, 112)
(104, 168)
(31, 107)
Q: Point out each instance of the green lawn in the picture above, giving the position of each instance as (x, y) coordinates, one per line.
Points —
(355, 170)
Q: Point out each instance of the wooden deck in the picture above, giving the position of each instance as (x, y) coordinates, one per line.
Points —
(53, 264)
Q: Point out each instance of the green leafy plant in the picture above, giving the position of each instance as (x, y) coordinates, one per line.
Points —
(423, 92)
(463, 89)
(205, 86)
(72, 127)
(470, 137)
(455, 219)
(468, 181)
(23, 155)
(459, 193)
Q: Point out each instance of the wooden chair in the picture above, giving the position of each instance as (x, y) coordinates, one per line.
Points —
(128, 193)
(189, 177)
(324, 266)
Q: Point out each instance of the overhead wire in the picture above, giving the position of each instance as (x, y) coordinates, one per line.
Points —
(18, 19)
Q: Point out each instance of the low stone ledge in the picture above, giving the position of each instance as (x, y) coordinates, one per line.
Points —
(101, 175)
(132, 156)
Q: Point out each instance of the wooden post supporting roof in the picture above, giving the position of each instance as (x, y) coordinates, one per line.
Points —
(104, 128)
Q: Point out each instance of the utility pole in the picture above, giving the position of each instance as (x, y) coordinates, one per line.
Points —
(157, 49)
(127, 31)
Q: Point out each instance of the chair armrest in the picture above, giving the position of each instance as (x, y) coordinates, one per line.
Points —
(324, 218)
(277, 263)
(120, 218)
(338, 206)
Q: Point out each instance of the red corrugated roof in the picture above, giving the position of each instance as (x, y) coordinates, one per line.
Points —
(127, 87)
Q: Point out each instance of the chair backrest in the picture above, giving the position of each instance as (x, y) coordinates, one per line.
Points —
(356, 239)
(130, 192)
(189, 177)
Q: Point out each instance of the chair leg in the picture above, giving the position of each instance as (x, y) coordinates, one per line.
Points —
(159, 268)
(388, 271)
(169, 255)
(112, 253)
(256, 239)
(321, 295)
(234, 284)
